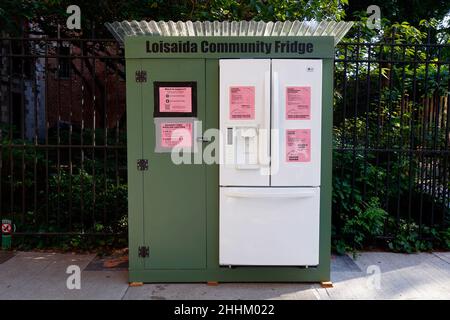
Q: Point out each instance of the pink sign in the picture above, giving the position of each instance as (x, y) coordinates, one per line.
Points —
(242, 103)
(298, 103)
(175, 99)
(298, 145)
(176, 134)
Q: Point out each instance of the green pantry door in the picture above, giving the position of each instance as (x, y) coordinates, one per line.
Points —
(174, 220)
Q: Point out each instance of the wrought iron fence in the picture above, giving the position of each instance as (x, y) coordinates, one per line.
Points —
(63, 135)
(63, 141)
(391, 130)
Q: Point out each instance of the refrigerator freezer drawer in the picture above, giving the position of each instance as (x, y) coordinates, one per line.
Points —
(269, 226)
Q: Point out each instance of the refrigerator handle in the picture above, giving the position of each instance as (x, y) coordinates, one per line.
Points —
(276, 100)
(241, 194)
(264, 134)
(275, 134)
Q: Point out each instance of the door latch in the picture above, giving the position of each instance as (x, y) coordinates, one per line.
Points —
(143, 252)
(203, 139)
(141, 76)
(142, 164)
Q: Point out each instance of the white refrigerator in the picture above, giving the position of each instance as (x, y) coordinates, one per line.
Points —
(270, 121)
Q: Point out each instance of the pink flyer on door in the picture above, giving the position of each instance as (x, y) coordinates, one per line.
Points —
(298, 103)
(175, 99)
(298, 145)
(176, 134)
(242, 103)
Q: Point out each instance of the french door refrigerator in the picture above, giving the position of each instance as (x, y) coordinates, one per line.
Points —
(270, 121)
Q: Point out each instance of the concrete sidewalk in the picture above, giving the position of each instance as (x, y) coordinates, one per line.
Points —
(35, 275)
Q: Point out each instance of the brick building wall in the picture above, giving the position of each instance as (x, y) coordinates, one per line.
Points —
(90, 94)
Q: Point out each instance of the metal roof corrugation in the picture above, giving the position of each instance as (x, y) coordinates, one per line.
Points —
(123, 29)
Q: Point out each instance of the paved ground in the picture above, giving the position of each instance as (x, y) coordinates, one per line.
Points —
(34, 275)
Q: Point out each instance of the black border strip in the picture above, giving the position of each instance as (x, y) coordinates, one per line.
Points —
(159, 84)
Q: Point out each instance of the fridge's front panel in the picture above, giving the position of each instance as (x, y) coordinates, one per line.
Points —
(244, 122)
(269, 226)
(296, 122)
(270, 107)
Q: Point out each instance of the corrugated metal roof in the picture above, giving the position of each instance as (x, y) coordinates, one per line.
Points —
(297, 28)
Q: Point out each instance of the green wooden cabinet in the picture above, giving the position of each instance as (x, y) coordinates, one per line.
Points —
(174, 209)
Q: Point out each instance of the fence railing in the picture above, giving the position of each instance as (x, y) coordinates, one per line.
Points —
(391, 130)
(63, 140)
(63, 135)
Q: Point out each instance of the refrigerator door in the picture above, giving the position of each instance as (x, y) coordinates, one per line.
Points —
(244, 122)
(269, 226)
(296, 122)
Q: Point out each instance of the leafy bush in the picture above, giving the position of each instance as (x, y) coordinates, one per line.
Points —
(87, 199)
(407, 238)
(73, 207)
(445, 238)
(73, 196)
(366, 224)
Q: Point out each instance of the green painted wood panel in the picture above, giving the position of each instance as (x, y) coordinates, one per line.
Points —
(174, 195)
(212, 171)
(326, 170)
(134, 152)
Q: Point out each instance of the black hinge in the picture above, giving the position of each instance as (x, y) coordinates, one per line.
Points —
(143, 252)
(141, 76)
(142, 164)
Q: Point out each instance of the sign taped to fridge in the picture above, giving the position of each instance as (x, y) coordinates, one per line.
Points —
(298, 103)
(242, 103)
(298, 145)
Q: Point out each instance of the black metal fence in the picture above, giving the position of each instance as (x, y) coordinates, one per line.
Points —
(63, 141)
(63, 135)
(391, 132)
